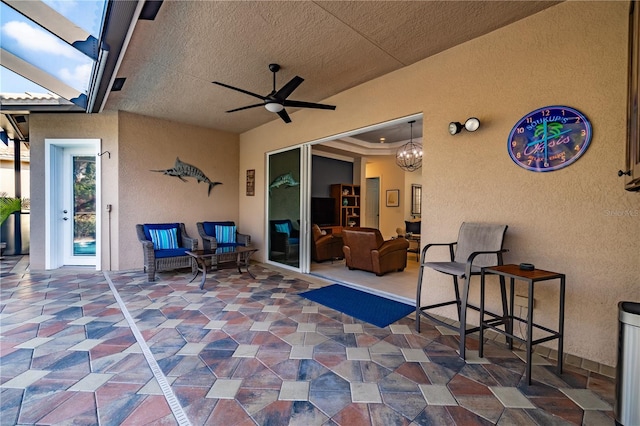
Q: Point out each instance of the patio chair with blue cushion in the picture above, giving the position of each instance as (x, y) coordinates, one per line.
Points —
(479, 245)
(221, 234)
(164, 247)
(283, 236)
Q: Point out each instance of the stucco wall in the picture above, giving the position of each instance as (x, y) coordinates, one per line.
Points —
(139, 144)
(147, 197)
(70, 126)
(571, 220)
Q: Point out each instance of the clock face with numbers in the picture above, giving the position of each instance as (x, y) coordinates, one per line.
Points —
(549, 138)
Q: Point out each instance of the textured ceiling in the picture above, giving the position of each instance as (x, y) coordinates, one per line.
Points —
(334, 45)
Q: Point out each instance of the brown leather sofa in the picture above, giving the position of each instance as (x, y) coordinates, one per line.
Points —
(364, 248)
(325, 247)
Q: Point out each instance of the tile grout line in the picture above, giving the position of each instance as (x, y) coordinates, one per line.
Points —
(173, 402)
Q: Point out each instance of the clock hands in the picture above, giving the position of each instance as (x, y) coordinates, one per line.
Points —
(545, 141)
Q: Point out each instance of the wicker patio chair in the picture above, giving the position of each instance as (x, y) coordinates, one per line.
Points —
(207, 231)
(166, 259)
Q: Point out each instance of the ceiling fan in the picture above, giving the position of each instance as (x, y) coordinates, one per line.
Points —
(277, 100)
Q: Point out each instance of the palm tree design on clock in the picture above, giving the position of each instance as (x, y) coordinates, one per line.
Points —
(546, 132)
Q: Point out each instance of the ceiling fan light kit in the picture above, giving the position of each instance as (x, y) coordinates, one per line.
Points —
(273, 107)
(276, 101)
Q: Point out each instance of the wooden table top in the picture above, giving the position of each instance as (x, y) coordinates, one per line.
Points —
(514, 270)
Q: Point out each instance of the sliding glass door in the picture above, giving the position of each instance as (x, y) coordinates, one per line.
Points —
(288, 207)
(284, 194)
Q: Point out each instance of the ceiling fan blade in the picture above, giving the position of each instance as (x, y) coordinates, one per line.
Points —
(255, 95)
(288, 88)
(285, 117)
(300, 104)
(246, 107)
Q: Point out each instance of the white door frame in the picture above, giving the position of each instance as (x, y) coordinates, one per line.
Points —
(54, 149)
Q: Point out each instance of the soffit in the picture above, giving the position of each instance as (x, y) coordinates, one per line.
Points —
(171, 61)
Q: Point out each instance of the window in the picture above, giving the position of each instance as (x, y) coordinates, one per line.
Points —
(416, 199)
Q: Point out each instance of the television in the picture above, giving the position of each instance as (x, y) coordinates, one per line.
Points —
(323, 211)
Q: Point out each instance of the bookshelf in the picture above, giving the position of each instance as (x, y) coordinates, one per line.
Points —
(348, 203)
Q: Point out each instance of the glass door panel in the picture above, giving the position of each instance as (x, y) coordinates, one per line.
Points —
(284, 207)
(84, 206)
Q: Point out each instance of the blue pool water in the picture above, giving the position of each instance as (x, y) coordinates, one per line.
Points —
(84, 248)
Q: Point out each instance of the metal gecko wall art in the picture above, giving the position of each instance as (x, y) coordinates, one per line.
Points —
(182, 170)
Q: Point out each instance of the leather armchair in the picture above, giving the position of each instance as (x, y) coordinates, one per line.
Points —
(325, 247)
(365, 249)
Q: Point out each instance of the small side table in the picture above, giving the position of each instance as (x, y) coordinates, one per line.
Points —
(239, 255)
(414, 248)
(513, 272)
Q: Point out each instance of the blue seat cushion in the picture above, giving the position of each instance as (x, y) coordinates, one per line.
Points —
(210, 227)
(148, 226)
(294, 240)
(170, 253)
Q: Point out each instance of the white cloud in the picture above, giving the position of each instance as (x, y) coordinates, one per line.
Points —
(80, 73)
(37, 40)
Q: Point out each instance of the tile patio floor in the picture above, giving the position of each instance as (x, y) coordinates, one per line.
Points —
(245, 352)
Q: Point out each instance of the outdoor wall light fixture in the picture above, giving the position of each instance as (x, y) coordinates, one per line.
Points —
(471, 125)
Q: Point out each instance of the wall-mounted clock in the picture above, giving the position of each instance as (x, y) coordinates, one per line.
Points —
(549, 138)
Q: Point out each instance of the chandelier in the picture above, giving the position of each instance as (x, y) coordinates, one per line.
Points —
(409, 155)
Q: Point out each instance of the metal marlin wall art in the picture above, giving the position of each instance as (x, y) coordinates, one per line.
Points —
(182, 170)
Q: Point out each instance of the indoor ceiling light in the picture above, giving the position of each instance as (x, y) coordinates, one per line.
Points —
(382, 140)
(471, 125)
(273, 107)
(409, 155)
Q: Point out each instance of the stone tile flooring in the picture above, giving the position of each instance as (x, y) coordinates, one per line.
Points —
(87, 348)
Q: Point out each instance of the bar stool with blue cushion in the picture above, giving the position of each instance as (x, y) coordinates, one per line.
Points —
(283, 236)
(164, 247)
(479, 245)
(221, 234)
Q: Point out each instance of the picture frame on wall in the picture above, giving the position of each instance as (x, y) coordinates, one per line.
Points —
(251, 182)
(393, 198)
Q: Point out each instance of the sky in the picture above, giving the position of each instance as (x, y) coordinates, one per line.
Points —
(32, 43)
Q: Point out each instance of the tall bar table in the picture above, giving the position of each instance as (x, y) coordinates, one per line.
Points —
(513, 272)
